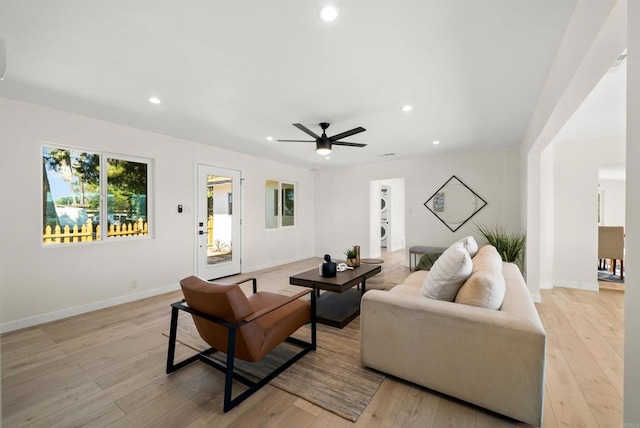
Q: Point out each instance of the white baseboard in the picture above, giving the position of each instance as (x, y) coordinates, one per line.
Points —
(65, 313)
(69, 312)
(249, 269)
(578, 285)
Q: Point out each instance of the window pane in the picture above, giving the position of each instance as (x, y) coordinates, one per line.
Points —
(126, 198)
(288, 204)
(220, 219)
(271, 205)
(70, 195)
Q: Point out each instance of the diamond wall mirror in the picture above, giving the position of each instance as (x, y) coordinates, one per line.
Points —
(454, 203)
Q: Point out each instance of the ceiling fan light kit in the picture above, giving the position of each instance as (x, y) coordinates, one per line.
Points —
(323, 142)
(323, 148)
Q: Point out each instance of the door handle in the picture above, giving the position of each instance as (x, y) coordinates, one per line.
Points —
(202, 232)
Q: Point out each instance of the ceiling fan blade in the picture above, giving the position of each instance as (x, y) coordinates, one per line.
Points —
(347, 133)
(297, 141)
(306, 130)
(344, 143)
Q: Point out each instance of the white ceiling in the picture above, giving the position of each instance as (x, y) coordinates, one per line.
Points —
(603, 114)
(231, 73)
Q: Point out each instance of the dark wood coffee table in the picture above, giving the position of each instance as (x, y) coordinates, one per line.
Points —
(341, 303)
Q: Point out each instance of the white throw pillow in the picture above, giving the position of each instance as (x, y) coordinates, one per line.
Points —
(470, 245)
(448, 273)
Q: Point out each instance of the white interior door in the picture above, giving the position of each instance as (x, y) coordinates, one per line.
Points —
(218, 222)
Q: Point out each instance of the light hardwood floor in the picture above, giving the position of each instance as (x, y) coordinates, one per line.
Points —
(106, 368)
(611, 286)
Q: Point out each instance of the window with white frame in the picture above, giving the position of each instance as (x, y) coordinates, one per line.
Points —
(92, 196)
(280, 204)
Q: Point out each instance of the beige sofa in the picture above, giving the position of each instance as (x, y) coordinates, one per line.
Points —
(492, 358)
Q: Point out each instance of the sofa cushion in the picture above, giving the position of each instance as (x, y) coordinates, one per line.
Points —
(487, 258)
(448, 273)
(486, 286)
(470, 244)
(415, 278)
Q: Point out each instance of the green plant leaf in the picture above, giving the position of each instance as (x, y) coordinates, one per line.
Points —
(510, 246)
(350, 253)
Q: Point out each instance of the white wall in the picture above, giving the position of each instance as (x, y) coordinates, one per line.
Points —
(576, 169)
(568, 210)
(39, 284)
(632, 243)
(342, 198)
(613, 202)
(547, 217)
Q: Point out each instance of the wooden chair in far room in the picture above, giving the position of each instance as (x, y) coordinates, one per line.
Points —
(241, 326)
(611, 246)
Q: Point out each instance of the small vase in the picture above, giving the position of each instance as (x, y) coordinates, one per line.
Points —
(357, 250)
(351, 262)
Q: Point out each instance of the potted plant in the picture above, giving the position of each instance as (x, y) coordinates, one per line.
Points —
(350, 254)
(510, 246)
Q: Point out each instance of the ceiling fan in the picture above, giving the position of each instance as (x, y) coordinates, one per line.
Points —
(324, 143)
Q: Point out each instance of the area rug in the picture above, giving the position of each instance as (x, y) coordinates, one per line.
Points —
(331, 377)
(606, 276)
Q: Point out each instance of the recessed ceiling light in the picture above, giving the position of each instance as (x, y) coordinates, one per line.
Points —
(407, 108)
(154, 100)
(269, 138)
(329, 13)
(436, 142)
(328, 158)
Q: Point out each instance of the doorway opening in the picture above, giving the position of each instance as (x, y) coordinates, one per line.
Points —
(387, 216)
(218, 222)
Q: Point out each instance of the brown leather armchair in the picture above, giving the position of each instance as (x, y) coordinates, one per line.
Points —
(244, 327)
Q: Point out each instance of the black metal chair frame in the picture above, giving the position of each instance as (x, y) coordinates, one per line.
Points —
(228, 368)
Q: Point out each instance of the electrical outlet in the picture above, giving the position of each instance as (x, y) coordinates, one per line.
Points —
(134, 283)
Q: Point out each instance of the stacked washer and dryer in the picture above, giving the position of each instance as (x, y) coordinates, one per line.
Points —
(385, 214)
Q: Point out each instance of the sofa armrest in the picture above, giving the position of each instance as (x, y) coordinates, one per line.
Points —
(486, 357)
